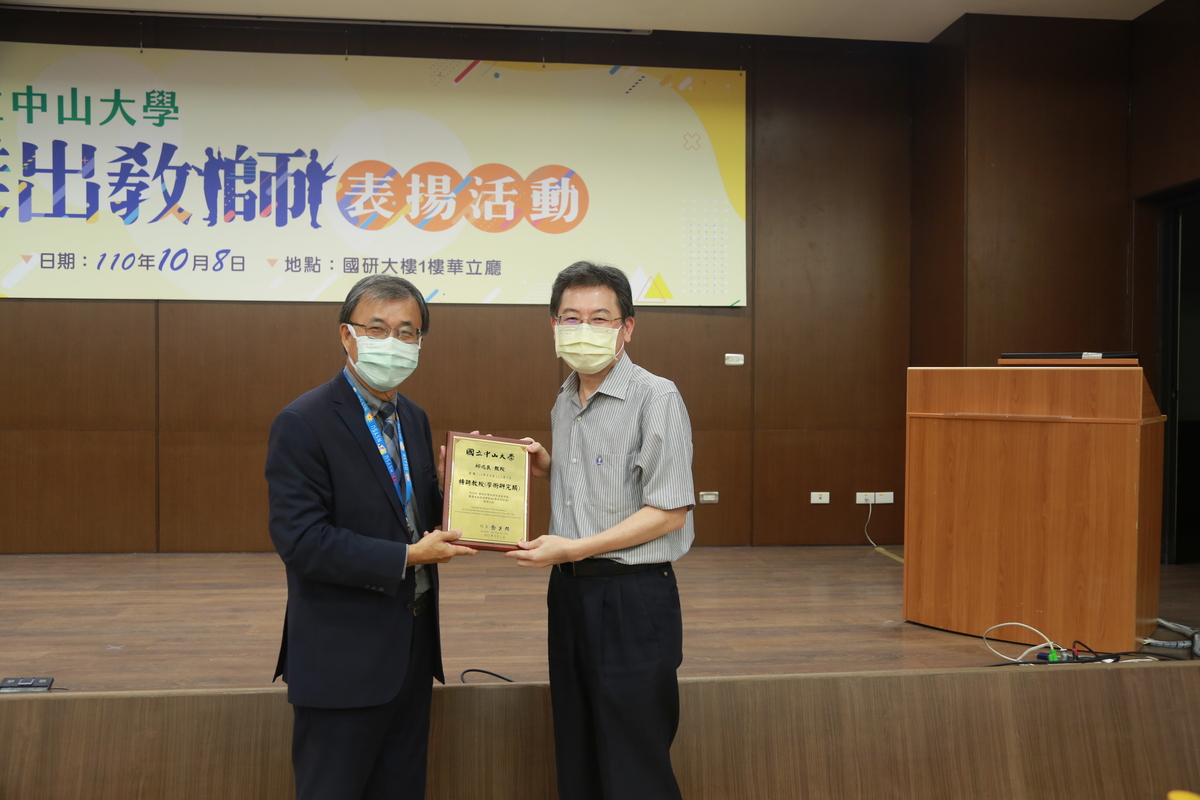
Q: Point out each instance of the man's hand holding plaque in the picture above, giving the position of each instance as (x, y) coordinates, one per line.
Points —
(486, 490)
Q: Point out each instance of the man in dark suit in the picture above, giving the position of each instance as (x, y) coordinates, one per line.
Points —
(353, 484)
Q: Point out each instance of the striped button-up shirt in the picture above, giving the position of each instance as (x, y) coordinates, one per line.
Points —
(630, 447)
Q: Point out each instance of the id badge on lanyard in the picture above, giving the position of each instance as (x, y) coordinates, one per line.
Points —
(377, 436)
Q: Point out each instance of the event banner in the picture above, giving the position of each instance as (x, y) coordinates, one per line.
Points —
(173, 174)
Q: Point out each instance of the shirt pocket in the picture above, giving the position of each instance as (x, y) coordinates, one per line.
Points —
(612, 484)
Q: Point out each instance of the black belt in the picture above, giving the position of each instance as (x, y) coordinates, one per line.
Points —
(603, 567)
(421, 604)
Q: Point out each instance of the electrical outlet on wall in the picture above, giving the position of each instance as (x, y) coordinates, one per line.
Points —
(818, 497)
(864, 498)
(884, 497)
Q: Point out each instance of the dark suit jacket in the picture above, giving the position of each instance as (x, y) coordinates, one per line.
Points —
(339, 527)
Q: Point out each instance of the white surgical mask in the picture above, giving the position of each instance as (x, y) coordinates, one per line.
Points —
(586, 349)
(384, 364)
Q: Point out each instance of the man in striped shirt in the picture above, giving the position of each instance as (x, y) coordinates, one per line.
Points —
(621, 499)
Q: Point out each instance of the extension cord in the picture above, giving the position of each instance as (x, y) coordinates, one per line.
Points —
(1172, 644)
(1192, 633)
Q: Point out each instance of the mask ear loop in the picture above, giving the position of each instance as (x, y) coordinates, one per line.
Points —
(354, 335)
(621, 337)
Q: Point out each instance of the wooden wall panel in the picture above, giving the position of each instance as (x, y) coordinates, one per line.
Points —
(225, 371)
(234, 366)
(1047, 207)
(1146, 286)
(790, 464)
(1164, 129)
(487, 368)
(831, 175)
(722, 462)
(1166, 118)
(831, 291)
(939, 187)
(479, 719)
(77, 365)
(213, 496)
(937, 734)
(77, 426)
(138, 746)
(688, 346)
(64, 491)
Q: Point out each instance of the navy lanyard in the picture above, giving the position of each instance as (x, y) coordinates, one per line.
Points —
(377, 435)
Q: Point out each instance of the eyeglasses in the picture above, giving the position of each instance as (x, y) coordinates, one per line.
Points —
(599, 320)
(404, 334)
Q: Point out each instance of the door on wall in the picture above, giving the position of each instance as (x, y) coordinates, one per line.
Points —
(1181, 379)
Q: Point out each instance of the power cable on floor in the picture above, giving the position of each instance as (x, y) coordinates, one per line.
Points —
(463, 677)
(1077, 653)
(878, 549)
(1192, 641)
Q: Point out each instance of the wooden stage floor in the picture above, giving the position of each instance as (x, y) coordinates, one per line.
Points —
(197, 621)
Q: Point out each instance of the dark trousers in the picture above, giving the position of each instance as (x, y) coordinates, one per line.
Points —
(614, 646)
(375, 752)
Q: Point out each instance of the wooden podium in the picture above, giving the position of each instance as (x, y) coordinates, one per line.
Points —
(1034, 495)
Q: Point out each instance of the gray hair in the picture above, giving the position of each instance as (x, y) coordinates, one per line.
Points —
(383, 287)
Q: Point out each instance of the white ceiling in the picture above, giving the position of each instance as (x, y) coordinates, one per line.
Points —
(894, 20)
